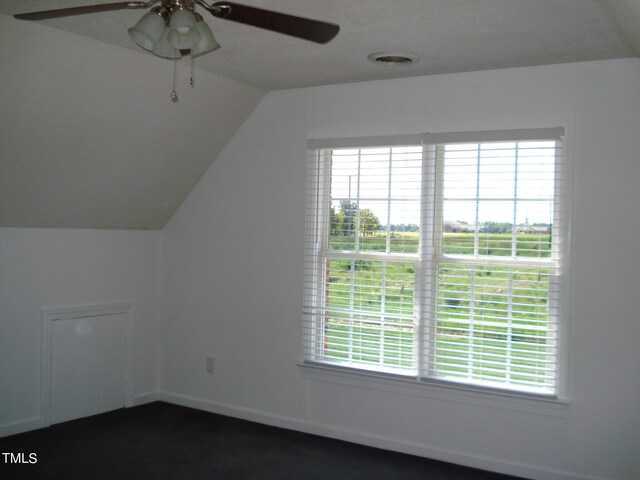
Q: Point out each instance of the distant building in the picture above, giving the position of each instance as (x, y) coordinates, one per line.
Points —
(457, 227)
(531, 230)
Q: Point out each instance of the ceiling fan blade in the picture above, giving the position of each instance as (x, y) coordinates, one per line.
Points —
(68, 12)
(305, 28)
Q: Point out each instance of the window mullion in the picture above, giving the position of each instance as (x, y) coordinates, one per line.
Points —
(476, 236)
(509, 324)
(322, 233)
(471, 324)
(498, 261)
(430, 246)
(514, 245)
(383, 316)
(357, 212)
(388, 239)
(365, 255)
(352, 286)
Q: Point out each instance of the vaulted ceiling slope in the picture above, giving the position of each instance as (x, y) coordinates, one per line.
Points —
(89, 138)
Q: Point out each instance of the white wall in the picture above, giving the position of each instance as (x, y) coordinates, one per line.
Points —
(57, 268)
(233, 273)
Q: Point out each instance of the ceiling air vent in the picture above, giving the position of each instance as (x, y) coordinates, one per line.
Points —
(386, 58)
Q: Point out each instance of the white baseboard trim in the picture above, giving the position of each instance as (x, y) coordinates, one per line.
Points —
(534, 472)
(34, 423)
(148, 397)
(21, 426)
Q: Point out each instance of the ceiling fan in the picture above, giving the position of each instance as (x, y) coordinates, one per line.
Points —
(174, 29)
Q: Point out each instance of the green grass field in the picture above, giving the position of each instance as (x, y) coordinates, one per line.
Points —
(454, 243)
(506, 339)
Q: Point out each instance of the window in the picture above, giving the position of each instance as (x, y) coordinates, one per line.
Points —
(437, 257)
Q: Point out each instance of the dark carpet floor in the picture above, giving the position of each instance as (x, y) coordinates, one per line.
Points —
(160, 441)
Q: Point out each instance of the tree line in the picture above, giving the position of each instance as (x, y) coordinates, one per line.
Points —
(348, 216)
(344, 221)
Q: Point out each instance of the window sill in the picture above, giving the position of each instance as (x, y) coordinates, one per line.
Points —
(449, 392)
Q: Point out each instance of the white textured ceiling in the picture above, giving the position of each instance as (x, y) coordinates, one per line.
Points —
(448, 35)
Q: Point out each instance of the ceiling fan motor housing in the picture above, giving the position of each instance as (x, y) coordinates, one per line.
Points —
(176, 4)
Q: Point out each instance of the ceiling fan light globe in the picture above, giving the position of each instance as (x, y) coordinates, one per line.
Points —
(207, 41)
(182, 20)
(165, 50)
(182, 33)
(183, 41)
(148, 31)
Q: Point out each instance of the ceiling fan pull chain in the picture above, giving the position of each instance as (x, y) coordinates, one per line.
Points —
(174, 95)
(191, 79)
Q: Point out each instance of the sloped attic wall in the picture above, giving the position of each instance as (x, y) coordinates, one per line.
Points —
(89, 137)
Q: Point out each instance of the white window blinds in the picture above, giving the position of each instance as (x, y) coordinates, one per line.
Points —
(436, 257)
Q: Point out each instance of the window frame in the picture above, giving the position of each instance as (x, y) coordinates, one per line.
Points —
(427, 257)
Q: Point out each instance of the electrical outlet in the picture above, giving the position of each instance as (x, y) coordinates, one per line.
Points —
(211, 365)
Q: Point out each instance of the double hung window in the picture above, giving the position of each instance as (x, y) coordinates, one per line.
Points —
(436, 257)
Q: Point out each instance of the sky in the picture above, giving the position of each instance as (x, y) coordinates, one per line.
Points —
(480, 182)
